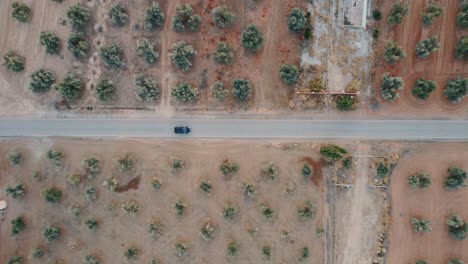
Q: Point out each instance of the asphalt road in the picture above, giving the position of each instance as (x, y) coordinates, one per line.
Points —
(237, 128)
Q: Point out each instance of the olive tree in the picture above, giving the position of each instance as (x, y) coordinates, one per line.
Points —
(185, 18)
(105, 90)
(228, 168)
(333, 152)
(419, 180)
(52, 195)
(21, 12)
(16, 260)
(118, 15)
(18, 224)
(70, 88)
(51, 233)
(423, 88)
(455, 261)
(91, 259)
(181, 248)
(224, 53)
(131, 253)
(78, 45)
(182, 55)
(289, 73)
(51, 41)
(397, 13)
(41, 81)
(432, 12)
(455, 178)
(13, 61)
(393, 53)
(426, 47)
(147, 89)
(125, 162)
(241, 89)
(207, 230)
(15, 158)
(462, 49)
(220, 93)
(457, 227)
(145, 49)
(456, 89)
(306, 211)
(55, 156)
(112, 55)
(252, 38)
(297, 20)
(421, 225)
(462, 18)
(344, 102)
(390, 87)
(92, 224)
(154, 16)
(79, 16)
(16, 191)
(222, 16)
(185, 93)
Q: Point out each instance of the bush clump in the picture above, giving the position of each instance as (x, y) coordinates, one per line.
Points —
(266, 251)
(185, 93)
(181, 248)
(230, 211)
(307, 170)
(112, 55)
(37, 252)
(156, 183)
(455, 261)
(241, 89)
(207, 230)
(270, 172)
(344, 102)
(78, 45)
(92, 224)
(16, 260)
(51, 233)
(91, 193)
(105, 90)
(419, 180)
(126, 162)
(179, 207)
(457, 227)
(423, 88)
(154, 228)
(147, 89)
(17, 225)
(185, 19)
(52, 195)
(232, 249)
(182, 55)
(390, 87)
(17, 191)
(51, 41)
(131, 253)
(456, 89)
(333, 152)
(376, 14)
(111, 183)
(297, 20)
(219, 91)
(79, 16)
(206, 186)
(462, 18)
(426, 47)
(252, 38)
(222, 16)
(70, 88)
(145, 49)
(118, 15)
(393, 53)
(432, 12)
(266, 210)
(13, 61)
(455, 178)
(131, 207)
(15, 158)
(224, 53)
(74, 179)
(397, 13)
(41, 81)
(21, 12)
(229, 168)
(289, 73)
(249, 189)
(304, 254)
(55, 156)
(91, 259)
(154, 16)
(306, 211)
(421, 225)
(382, 170)
(462, 49)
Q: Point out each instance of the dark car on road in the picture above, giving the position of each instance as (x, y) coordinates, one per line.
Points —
(182, 130)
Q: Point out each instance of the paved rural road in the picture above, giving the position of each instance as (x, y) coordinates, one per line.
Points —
(237, 128)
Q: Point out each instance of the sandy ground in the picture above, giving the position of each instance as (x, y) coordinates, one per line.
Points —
(435, 204)
(118, 231)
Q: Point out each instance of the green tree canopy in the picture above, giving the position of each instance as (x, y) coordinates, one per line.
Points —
(185, 93)
(289, 73)
(222, 16)
(13, 61)
(423, 88)
(70, 88)
(456, 89)
(241, 89)
(391, 87)
(252, 38)
(51, 41)
(79, 16)
(78, 45)
(147, 89)
(182, 55)
(185, 18)
(154, 16)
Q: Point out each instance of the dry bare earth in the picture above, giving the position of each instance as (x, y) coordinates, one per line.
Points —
(440, 66)
(262, 67)
(435, 204)
(118, 231)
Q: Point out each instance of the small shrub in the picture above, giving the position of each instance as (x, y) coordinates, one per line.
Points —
(419, 180)
(376, 33)
(224, 53)
(21, 12)
(421, 225)
(145, 49)
(70, 88)
(154, 16)
(462, 49)
(456, 90)
(112, 55)
(252, 38)
(207, 230)
(297, 20)
(15, 158)
(423, 88)
(51, 41)
(421, 261)
(91, 165)
(92, 224)
(126, 162)
(131, 253)
(306, 211)
(390, 87)
(131, 207)
(219, 91)
(181, 248)
(52, 195)
(270, 172)
(348, 163)
(307, 170)
(230, 211)
(74, 179)
(118, 15)
(185, 93)
(185, 19)
(156, 183)
(91, 259)
(426, 47)
(177, 164)
(111, 183)
(16, 260)
(78, 45)
(76, 211)
(455, 178)
(154, 229)
(266, 210)
(229, 168)
(397, 13)
(249, 189)
(333, 152)
(457, 227)
(432, 12)
(79, 16)
(17, 225)
(382, 170)
(182, 55)
(147, 89)
(393, 53)
(455, 261)
(304, 254)
(344, 102)
(206, 186)
(317, 85)
(266, 251)
(41, 81)
(17, 191)
(37, 252)
(179, 207)
(222, 16)
(13, 61)
(242, 89)
(289, 74)
(376, 14)
(232, 249)
(51, 233)
(91, 193)
(105, 90)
